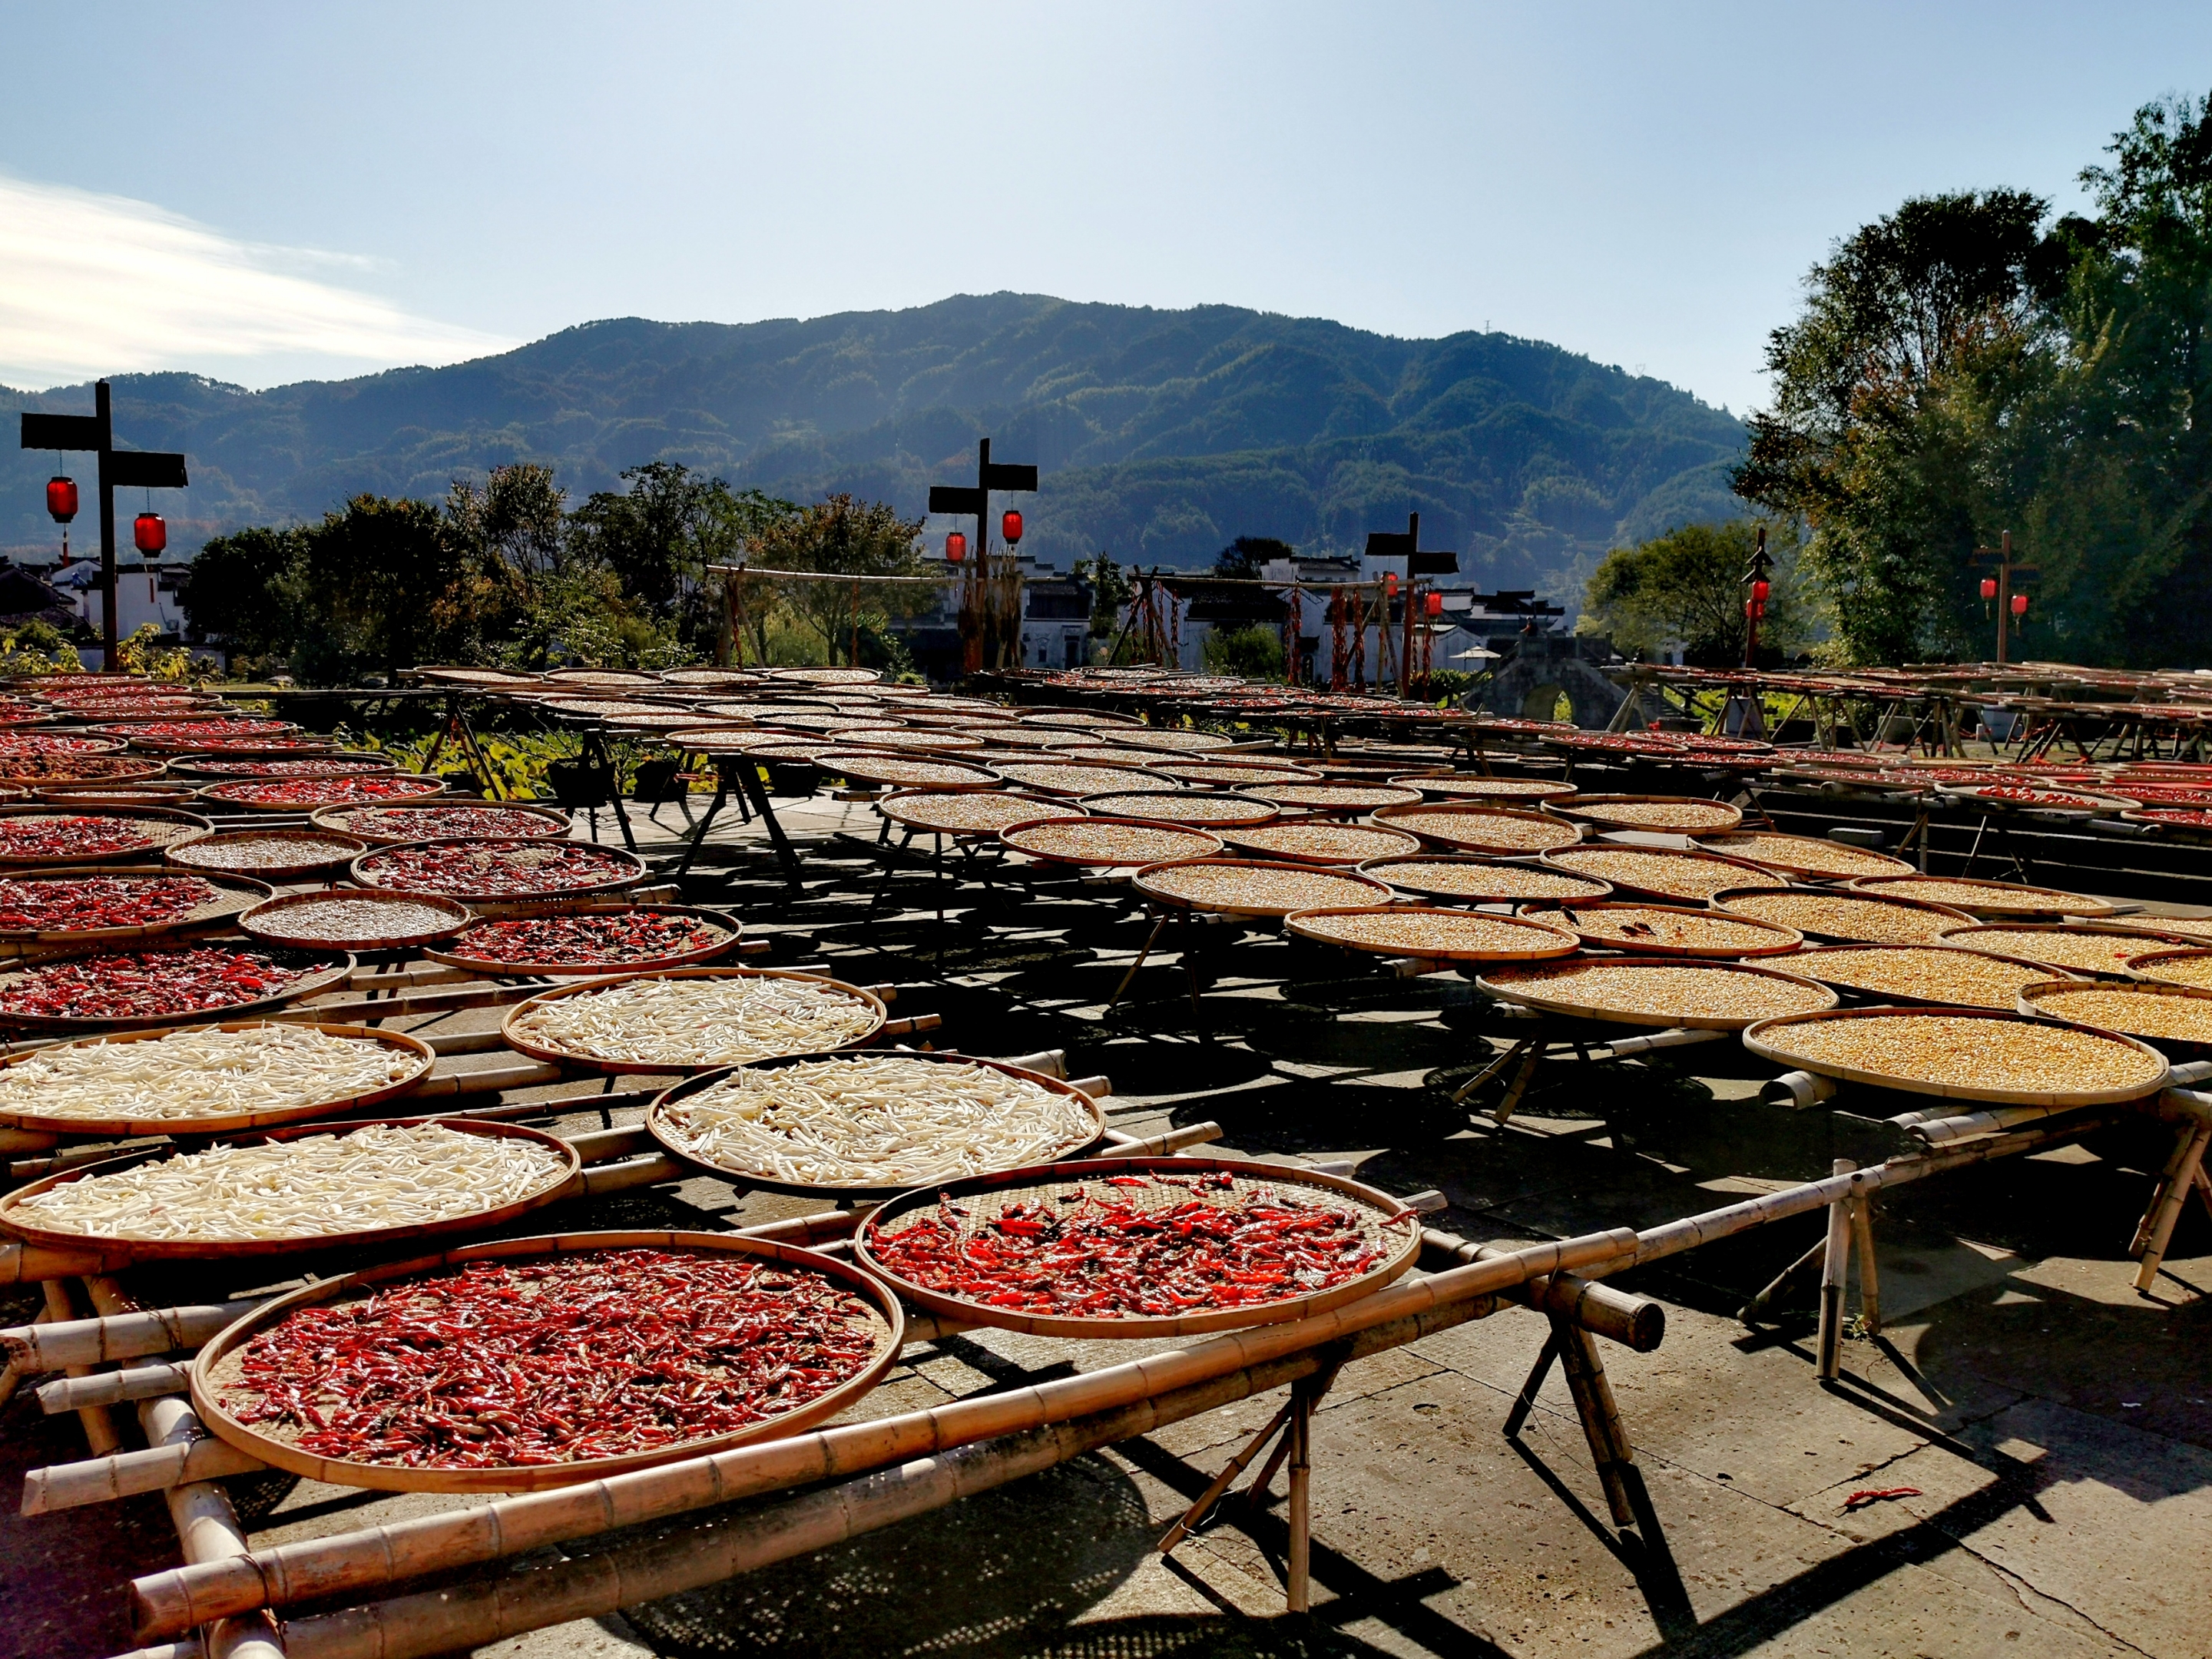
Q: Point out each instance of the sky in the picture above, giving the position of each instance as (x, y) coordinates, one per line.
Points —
(264, 193)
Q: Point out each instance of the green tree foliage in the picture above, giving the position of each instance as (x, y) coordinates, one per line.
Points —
(244, 590)
(1253, 651)
(1686, 587)
(391, 585)
(1243, 558)
(846, 537)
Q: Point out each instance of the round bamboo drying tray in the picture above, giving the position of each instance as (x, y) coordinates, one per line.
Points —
(459, 884)
(1991, 900)
(233, 894)
(1921, 975)
(160, 828)
(1072, 778)
(384, 823)
(1474, 879)
(2187, 968)
(1660, 872)
(2175, 1019)
(208, 1367)
(1255, 887)
(1472, 827)
(1320, 842)
(566, 1183)
(1224, 773)
(1433, 934)
(1971, 1075)
(1842, 918)
(656, 1122)
(1668, 930)
(308, 985)
(903, 771)
(311, 795)
(191, 736)
(2073, 951)
(1332, 799)
(971, 814)
(47, 771)
(457, 952)
(1661, 992)
(1466, 785)
(276, 921)
(226, 1122)
(672, 1063)
(986, 1196)
(1805, 856)
(2063, 803)
(1206, 810)
(1674, 815)
(319, 854)
(217, 767)
(1107, 843)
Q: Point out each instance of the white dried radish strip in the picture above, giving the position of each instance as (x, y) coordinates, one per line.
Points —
(686, 1022)
(202, 1073)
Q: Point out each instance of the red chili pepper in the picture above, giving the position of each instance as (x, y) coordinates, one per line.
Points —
(38, 835)
(152, 984)
(492, 869)
(76, 904)
(612, 938)
(325, 791)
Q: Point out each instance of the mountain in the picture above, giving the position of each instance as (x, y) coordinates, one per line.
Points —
(1161, 435)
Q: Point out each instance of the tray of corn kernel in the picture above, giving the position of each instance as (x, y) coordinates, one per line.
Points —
(1467, 786)
(2001, 1058)
(978, 812)
(2167, 1014)
(1938, 975)
(865, 766)
(1805, 856)
(1660, 872)
(1667, 930)
(1333, 797)
(1474, 827)
(1255, 887)
(1473, 880)
(1073, 777)
(1678, 815)
(1842, 918)
(1208, 809)
(1992, 900)
(1438, 935)
(2191, 966)
(1316, 840)
(1109, 843)
(1658, 991)
(2070, 949)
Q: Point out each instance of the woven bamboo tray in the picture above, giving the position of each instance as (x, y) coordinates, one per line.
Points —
(567, 1182)
(1466, 785)
(1222, 774)
(903, 771)
(1468, 827)
(320, 854)
(233, 894)
(1771, 1040)
(230, 730)
(210, 1369)
(1806, 857)
(315, 793)
(276, 920)
(656, 1122)
(221, 1123)
(1203, 808)
(1328, 798)
(1433, 934)
(971, 814)
(162, 827)
(1823, 962)
(536, 1050)
(1471, 878)
(1849, 918)
(1664, 815)
(2069, 949)
(1552, 990)
(986, 1196)
(2063, 802)
(339, 965)
(1991, 900)
(2176, 1019)
(1072, 778)
(2191, 966)
(1320, 842)
(1669, 930)
(364, 870)
(1109, 843)
(215, 769)
(1258, 887)
(1660, 872)
(384, 824)
(456, 952)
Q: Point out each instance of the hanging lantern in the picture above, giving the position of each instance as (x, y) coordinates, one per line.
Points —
(148, 534)
(1010, 526)
(1751, 607)
(1988, 587)
(1390, 584)
(61, 497)
(1760, 589)
(955, 548)
(2019, 604)
(1433, 604)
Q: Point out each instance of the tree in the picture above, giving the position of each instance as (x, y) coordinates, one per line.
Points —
(1243, 558)
(518, 522)
(1686, 587)
(1253, 651)
(845, 536)
(243, 592)
(389, 585)
(660, 535)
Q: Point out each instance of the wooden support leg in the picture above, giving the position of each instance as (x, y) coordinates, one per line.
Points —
(1526, 1402)
(1519, 1086)
(1869, 1282)
(99, 1428)
(1197, 1512)
(2203, 1184)
(1137, 964)
(1835, 1270)
(1759, 1303)
(1600, 1416)
(2169, 1206)
(1492, 1070)
(2141, 1241)
(1300, 1563)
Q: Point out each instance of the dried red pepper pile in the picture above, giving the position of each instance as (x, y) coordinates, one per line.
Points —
(217, 730)
(1081, 1252)
(325, 792)
(612, 938)
(76, 904)
(73, 768)
(37, 836)
(2020, 794)
(493, 869)
(435, 822)
(53, 743)
(602, 1355)
(304, 766)
(152, 984)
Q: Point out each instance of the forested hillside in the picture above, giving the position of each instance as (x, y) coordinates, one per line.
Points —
(1162, 434)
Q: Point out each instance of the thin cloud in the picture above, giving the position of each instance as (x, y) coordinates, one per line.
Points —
(103, 284)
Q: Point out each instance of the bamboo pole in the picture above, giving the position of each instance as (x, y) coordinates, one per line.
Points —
(126, 1336)
(1298, 1563)
(100, 1432)
(1600, 1413)
(1835, 1268)
(1196, 1513)
(113, 1388)
(2167, 1209)
(1869, 1279)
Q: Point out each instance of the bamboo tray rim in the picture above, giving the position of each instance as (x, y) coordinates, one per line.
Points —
(1209, 846)
(1242, 838)
(1904, 999)
(1591, 809)
(1039, 1175)
(1560, 942)
(1216, 908)
(276, 872)
(885, 806)
(857, 765)
(196, 827)
(212, 915)
(379, 1477)
(2027, 1005)
(433, 788)
(1929, 905)
(1756, 1040)
(2140, 966)
(1476, 812)
(558, 826)
(2088, 907)
(311, 985)
(1541, 788)
(1790, 941)
(1377, 867)
(1003, 774)
(636, 1067)
(2098, 802)
(1262, 811)
(255, 922)
(1549, 856)
(1615, 1015)
(1897, 867)
(565, 1184)
(734, 931)
(656, 1124)
(1956, 936)
(612, 885)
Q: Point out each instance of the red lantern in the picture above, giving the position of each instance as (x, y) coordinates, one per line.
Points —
(1390, 583)
(955, 548)
(1760, 589)
(1988, 587)
(1433, 604)
(2019, 604)
(61, 498)
(150, 535)
(1010, 526)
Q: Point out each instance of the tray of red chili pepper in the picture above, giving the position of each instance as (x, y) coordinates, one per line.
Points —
(503, 870)
(47, 835)
(279, 766)
(436, 821)
(18, 744)
(41, 771)
(110, 905)
(1140, 1246)
(639, 938)
(189, 734)
(302, 794)
(534, 1363)
(162, 986)
(2027, 798)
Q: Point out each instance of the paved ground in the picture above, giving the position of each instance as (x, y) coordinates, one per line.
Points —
(2054, 1428)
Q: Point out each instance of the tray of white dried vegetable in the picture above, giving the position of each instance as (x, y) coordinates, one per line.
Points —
(873, 1124)
(207, 1079)
(314, 1187)
(693, 1019)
